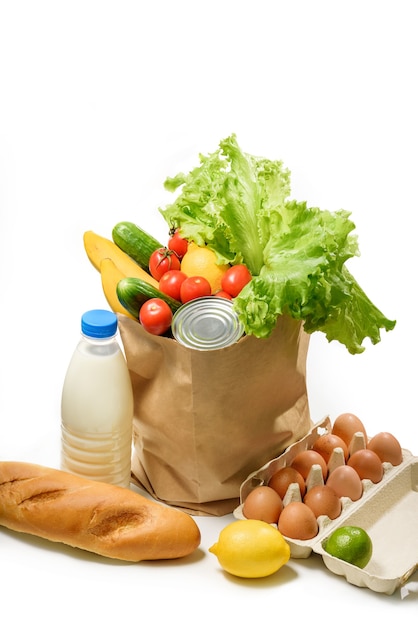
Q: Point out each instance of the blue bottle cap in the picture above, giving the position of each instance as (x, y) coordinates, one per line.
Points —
(99, 323)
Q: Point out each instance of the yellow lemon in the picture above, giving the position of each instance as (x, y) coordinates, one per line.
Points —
(251, 549)
(201, 261)
(351, 544)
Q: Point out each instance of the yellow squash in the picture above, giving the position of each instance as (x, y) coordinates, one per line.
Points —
(99, 248)
(111, 275)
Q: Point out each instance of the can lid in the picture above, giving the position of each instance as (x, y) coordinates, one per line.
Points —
(99, 323)
(207, 323)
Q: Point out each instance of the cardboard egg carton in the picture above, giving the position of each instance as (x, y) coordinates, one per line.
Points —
(387, 510)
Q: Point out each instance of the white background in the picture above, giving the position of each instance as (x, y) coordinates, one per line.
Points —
(99, 102)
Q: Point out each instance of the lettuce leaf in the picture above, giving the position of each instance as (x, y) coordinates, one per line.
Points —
(226, 203)
(239, 206)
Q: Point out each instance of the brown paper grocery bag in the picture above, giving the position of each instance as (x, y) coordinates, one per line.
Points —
(204, 420)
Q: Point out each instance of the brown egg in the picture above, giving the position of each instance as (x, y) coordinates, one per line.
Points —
(263, 503)
(323, 500)
(387, 448)
(326, 444)
(304, 460)
(297, 521)
(367, 465)
(284, 477)
(346, 425)
(345, 481)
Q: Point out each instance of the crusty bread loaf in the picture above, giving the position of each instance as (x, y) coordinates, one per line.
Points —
(111, 521)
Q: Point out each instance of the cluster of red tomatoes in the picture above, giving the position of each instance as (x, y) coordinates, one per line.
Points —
(165, 266)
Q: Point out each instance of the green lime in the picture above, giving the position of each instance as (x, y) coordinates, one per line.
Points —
(351, 544)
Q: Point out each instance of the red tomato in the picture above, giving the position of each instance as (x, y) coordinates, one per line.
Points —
(170, 283)
(194, 287)
(155, 316)
(223, 294)
(177, 244)
(162, 260)
(235, 279)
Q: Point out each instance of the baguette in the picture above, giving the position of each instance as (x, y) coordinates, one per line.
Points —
(112, 521)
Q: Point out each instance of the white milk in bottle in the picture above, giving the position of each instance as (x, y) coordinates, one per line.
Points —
(97, 405)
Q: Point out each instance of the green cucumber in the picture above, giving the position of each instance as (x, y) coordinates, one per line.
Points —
(134, 292)
(138, 244)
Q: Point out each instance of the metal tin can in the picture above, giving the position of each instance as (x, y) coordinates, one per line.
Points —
(207, 323)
